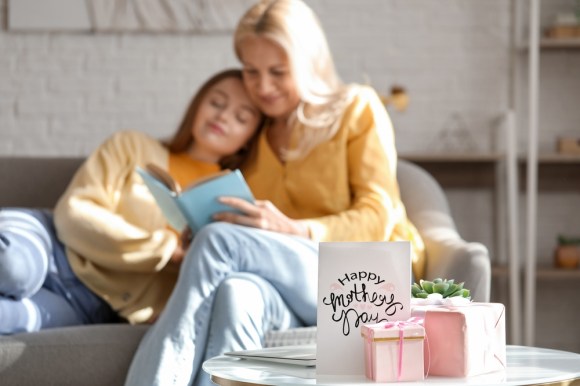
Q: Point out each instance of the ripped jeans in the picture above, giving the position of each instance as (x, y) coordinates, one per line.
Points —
(38, 288)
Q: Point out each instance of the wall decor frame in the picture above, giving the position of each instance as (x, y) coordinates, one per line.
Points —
(148, 16)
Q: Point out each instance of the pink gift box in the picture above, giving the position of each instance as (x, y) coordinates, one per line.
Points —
(464, 340)
(394, 351)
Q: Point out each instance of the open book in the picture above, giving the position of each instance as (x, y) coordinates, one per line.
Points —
(195, 205)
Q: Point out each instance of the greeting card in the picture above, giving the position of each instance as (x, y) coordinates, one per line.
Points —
(358, 283)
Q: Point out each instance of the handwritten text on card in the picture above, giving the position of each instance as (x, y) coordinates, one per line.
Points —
(361, 297)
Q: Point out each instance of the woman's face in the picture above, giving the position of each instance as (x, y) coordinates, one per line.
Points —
(268, 76)
(226, 119)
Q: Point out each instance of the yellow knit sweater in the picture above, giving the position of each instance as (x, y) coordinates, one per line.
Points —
(347, 187)
(118, 242)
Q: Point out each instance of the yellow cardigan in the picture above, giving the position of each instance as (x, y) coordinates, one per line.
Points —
(347, 187)
(118, 242)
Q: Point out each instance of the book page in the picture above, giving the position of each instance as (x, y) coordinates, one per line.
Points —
(166, 200)
(164, 177)
(204, 179)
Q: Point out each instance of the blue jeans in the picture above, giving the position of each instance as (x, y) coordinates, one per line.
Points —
(234, 285)
(38, 288)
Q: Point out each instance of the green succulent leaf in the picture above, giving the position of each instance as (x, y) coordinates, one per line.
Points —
(440, 287)
(422, 295)
(447, 288)
(427, 286)
(566, 240)
(415, 289)
(464, 293)
(451, 290)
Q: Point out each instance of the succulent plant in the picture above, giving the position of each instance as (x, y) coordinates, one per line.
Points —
(446, 288)
(566, 240)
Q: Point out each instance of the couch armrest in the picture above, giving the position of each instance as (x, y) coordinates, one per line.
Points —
(462, 261)
(448, 255)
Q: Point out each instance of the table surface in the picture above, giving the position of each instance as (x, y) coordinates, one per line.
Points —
(525, 366)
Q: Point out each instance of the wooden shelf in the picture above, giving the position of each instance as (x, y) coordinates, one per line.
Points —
(452, 157)
(552, 43)
(555, 44)
(544, 158)
(555, 158)
(543, 272)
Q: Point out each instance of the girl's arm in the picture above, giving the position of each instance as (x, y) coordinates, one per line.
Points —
(108, 219)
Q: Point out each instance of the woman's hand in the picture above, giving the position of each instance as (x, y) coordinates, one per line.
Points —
(261, 214)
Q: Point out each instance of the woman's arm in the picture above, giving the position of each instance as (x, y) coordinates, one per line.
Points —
(261, 214)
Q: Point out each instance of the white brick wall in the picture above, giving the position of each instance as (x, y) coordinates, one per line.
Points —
(61, 94)
(450, 55)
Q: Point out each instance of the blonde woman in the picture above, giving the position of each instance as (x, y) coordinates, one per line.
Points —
(323, 169)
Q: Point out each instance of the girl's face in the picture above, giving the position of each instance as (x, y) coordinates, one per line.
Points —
(226, 119)
(268, 77)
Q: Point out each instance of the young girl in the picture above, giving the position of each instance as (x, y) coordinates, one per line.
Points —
(115, 254)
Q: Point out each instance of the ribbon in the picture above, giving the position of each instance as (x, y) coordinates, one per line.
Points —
(414, 321)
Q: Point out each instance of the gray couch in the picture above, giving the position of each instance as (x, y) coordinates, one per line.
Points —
(100, 354)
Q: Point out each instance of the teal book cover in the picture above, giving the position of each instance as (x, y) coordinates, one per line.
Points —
(195, 206)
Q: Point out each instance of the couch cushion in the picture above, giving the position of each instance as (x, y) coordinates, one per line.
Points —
(85, 355)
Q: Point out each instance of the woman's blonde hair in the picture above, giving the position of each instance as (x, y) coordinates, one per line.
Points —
(296, 28)
(183, 137)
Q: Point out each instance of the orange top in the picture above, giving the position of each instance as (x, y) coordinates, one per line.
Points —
(186, 170)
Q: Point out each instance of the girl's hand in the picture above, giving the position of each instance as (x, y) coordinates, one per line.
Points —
(184, 242)
(177, 257)
(261, 214)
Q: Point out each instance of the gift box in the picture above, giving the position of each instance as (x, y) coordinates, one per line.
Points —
(464, 340)
(394, 351)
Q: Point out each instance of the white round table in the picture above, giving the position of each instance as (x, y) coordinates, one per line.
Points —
(525, 366)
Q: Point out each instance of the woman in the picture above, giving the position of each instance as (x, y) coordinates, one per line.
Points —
(323, 170)
(115, 253)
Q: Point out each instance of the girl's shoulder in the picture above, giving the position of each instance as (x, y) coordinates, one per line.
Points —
(130, 135)
(134, 140)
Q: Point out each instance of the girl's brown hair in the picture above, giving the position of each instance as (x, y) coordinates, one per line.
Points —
(183, 138)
